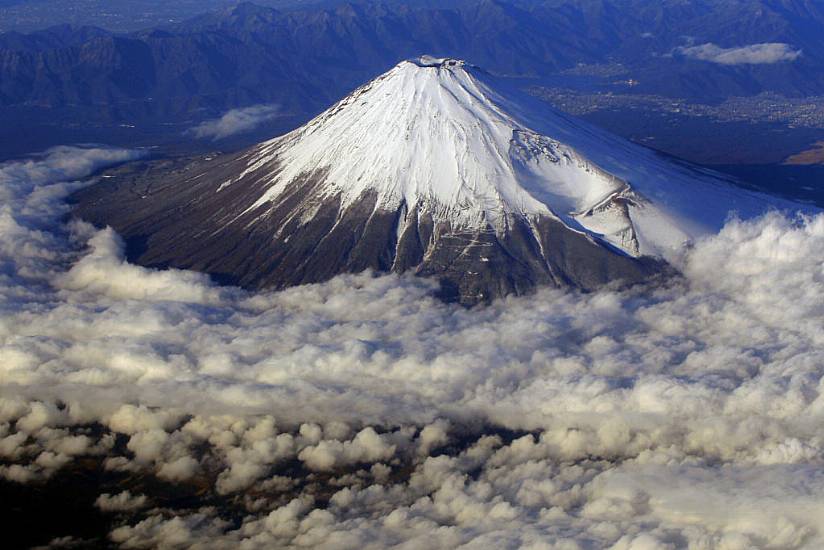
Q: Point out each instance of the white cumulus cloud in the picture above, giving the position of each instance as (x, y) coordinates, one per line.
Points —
(753, 54)
(235, 121)
(364, 413)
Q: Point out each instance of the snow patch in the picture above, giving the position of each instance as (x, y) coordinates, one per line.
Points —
(448, 142)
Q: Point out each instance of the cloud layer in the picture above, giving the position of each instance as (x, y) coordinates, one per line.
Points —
(363, 413)
(753, 54)
(235, 122)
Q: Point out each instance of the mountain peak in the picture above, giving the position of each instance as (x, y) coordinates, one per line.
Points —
(439, 139)
(439, 168)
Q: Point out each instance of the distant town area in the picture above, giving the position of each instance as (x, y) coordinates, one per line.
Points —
(807, 112)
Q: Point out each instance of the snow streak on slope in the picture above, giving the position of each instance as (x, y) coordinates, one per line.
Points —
(438, 135)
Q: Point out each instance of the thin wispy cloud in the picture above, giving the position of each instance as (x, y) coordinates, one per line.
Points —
(364, 413)
(236, 121)
(753, 54)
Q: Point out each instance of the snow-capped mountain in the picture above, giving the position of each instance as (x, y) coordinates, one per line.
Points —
(435, 167)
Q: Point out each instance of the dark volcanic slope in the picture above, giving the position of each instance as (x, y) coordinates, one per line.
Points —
(172, 216)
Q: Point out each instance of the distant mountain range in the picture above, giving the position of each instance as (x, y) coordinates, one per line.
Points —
(303, 59)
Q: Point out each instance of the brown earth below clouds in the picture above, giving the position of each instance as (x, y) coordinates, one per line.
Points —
(813, 155)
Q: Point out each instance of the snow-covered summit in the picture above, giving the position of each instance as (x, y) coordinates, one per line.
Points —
(439, 169)
(441, 134)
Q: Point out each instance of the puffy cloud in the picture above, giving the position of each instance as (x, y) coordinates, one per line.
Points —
(131, 419)
(753, 54)
(56, 165)
(367, 446)
(121, 502)
(433, 436)
(249, 463)
(177, 532)
(236, 121)
(363, 413)
(180, 469)
(104, 271)
(32, 194)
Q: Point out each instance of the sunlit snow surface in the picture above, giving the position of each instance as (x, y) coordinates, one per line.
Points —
(446, 136)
